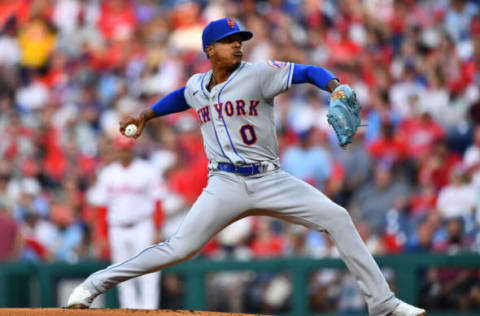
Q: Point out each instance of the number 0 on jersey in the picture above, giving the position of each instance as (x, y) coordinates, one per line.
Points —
(247, 132)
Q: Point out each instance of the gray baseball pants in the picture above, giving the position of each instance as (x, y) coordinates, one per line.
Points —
(229, 197)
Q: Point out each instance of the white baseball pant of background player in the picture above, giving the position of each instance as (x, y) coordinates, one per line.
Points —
(130, 193)
(238, 127)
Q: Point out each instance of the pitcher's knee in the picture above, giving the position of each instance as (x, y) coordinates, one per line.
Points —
(339, 218)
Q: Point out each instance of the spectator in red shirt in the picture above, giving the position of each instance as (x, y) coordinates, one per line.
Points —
(424, 200)
(387, 147)
(19, 10)
(265, 242)
(117, 20)
(189, 176)
(419, 132)
(9, 235)
(438, 165)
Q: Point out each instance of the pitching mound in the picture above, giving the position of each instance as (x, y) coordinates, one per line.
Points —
(103, 312)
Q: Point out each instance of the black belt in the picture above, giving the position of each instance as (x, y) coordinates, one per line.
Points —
(244, 170)
(132, 224)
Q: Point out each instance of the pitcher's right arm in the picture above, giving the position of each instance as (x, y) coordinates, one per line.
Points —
(172, 103)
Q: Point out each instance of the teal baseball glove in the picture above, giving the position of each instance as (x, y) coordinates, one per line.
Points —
(344, 114)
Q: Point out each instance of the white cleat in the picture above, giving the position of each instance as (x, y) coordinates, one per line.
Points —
(80, 298)
(404, 309)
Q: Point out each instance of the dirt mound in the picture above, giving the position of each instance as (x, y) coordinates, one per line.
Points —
(103, 312)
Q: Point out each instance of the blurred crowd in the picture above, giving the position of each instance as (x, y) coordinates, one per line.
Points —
(71, 69)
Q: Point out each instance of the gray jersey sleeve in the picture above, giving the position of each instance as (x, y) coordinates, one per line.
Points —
(190, 87)
(275, 77)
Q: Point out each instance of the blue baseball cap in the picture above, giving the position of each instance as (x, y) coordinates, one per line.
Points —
(216, 30)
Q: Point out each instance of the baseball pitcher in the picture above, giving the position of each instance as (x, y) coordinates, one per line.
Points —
(234, 102)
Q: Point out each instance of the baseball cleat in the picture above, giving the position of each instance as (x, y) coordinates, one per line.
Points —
(81, 298)
(404, 309)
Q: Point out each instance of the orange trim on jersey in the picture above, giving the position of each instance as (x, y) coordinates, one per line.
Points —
(277, 64)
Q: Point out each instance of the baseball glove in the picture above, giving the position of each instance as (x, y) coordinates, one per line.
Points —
(344, 114)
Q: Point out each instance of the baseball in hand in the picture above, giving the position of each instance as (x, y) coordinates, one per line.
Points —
(130, 130)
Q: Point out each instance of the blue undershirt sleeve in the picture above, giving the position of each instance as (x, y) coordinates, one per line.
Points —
(312, 74)
(171, 103)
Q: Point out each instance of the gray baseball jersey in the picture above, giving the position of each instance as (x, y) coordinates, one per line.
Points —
(237, 115)
(238, 127)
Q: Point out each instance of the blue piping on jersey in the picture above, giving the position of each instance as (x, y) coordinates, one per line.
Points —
(226, 128)
(127, 261)
(213, 125)
(201, 84)
(218, 141)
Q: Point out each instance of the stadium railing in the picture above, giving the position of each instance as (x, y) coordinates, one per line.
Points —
(21, 282)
